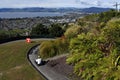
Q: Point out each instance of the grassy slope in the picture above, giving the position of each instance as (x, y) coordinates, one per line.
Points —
(14, 64)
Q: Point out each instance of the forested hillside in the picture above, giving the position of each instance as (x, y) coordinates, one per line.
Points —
(95, 46)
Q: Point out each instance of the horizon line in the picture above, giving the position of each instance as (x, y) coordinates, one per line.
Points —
(50, 7)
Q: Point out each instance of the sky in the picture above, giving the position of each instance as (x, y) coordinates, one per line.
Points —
(57, 3)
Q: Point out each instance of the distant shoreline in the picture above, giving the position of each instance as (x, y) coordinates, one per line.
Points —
(8, 15)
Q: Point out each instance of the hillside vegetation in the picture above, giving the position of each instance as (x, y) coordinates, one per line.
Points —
(95, 46)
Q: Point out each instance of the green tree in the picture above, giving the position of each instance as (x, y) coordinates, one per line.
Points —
(73, 31)
(106, 16)
(53, 48)
(39, 30)
(55, 30)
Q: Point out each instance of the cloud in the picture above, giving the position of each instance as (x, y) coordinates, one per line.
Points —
(97, 3)
(85, 3)
(57, 3)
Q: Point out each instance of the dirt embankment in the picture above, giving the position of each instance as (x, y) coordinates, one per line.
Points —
(59, 65)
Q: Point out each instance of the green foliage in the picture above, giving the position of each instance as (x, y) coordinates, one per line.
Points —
(53, 48)
(106, 16)
(56, 30)
(10, 33)
(39, 30)
(73, 31)
(112, 30)
(3, 34)
(47, 49)
(97, 20)
(92, 18)
(97, 57)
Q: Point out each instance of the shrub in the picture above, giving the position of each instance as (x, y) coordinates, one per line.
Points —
(53, 48)
(39, 30)
(55, 30)
(47, 49)
(97, 57)
(73, 31)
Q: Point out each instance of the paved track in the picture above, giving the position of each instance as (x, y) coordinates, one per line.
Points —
(44, 69)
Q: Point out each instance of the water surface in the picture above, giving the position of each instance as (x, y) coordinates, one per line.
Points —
(28, 14)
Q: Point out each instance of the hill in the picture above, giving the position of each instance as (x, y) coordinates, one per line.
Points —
(38, 9)
(95, 10)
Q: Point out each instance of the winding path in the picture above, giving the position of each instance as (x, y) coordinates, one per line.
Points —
(47, 73)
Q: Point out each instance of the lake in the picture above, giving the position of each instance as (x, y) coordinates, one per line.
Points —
(29, 14)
